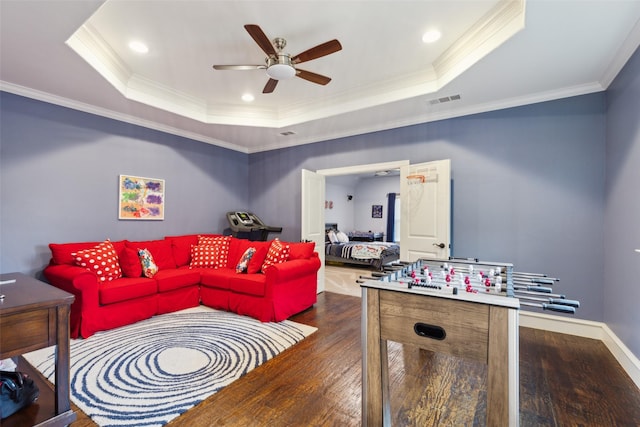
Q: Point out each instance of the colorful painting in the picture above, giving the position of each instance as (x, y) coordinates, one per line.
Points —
(141, 198)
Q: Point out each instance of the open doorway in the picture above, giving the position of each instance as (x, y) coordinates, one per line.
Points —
(425, 208)
(317, 191)
(362, 214)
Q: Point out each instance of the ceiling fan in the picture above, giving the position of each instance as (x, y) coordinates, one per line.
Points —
(282, 66)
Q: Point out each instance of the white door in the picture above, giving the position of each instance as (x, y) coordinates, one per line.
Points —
(425, 195)
(312, 224)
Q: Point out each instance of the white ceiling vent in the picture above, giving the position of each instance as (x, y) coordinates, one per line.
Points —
(444, 99)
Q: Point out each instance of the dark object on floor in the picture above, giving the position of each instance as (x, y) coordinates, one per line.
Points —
(17, 391)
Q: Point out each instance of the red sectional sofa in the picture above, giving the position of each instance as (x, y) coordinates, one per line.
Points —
(265, 291)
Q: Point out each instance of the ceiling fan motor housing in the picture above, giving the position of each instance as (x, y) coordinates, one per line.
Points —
(280, 67)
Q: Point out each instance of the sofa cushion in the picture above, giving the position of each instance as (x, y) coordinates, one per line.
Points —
(249, 284)
(301, 250)
(101, 259)
(149, 267)
(159, 249)
(243, 264)
(218, 278)
(278, 252)
(126, 288)
(130, 263)
(61, 252)
(169, 280)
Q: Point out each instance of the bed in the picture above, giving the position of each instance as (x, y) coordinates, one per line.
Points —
(374, 254)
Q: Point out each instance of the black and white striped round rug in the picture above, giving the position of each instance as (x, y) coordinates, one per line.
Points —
(150, 372)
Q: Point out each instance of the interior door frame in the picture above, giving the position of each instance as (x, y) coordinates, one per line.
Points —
(372, 167)
(356, 169)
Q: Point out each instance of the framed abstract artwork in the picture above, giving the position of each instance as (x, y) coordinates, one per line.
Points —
(140, 198)
(376, 211)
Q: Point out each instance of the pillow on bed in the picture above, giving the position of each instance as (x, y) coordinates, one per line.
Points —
(342, 237)
(333, 238)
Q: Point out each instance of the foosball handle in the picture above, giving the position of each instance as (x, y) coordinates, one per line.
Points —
(562, 301)
(543, 281)
(559, 308)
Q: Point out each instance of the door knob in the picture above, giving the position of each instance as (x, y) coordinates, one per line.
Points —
(440, 245)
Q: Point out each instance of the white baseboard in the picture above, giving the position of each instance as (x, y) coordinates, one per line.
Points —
(587, 329)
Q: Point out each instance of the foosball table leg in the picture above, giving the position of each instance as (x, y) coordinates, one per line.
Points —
(502, 368)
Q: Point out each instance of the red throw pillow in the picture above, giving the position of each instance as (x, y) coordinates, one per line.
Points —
(278, 253)
(181, 248)
(255, 265)
(302, 250)
(130, 263)
(101, 259)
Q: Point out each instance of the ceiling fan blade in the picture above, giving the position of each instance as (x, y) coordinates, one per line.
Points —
(259, 36)
(239, 67)
(319, 51)
(312, 77)
(270, 86)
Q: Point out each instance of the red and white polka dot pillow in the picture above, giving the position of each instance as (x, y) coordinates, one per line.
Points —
(278, 253)
(222, 243)
(208, 256)
(101, 259)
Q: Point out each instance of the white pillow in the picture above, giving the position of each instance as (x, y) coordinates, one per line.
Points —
(332, 236)
(342, 237)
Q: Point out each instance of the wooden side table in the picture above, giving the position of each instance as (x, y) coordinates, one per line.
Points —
(35, 315)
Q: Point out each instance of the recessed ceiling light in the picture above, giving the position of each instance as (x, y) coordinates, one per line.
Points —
(247, 97)
(138, 46)
(431, 36)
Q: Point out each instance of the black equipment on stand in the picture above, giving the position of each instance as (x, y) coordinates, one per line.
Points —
(247, 225)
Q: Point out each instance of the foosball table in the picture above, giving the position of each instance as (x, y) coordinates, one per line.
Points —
(462, 307)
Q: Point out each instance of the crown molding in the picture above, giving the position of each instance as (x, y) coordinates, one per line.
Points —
(126, 118)
(501, 23)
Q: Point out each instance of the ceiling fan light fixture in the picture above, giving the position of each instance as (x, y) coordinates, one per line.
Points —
(281, 71)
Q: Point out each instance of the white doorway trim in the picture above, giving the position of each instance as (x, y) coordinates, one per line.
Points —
(372, 167)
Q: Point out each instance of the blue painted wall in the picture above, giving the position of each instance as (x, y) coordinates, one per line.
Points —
(622, 208)
(528, 185)
(59, 173)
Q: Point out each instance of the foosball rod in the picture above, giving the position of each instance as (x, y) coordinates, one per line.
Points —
(532, 288)
(524, 287)
(534, 281)
(539, 275)
(525, 290)
(551, 307)
(544, 280)
(558, 301)
(518, 281)
(538, 293)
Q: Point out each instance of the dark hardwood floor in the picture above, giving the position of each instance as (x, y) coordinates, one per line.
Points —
(564, 381)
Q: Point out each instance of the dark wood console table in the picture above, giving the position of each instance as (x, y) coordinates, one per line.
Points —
(35, 315)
